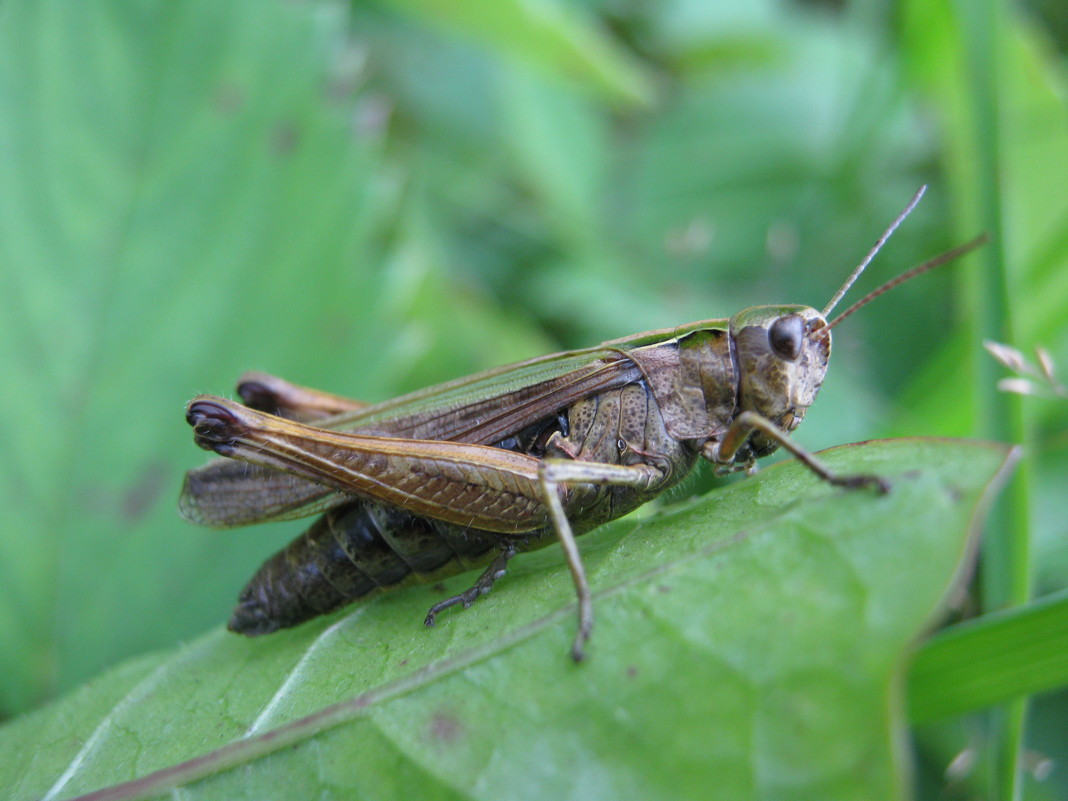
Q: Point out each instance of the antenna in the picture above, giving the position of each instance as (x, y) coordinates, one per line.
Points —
(937, 261)
(871, 253)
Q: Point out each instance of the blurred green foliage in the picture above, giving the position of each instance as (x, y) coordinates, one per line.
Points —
(370, 199)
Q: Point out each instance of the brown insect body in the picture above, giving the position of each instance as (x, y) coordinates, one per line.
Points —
(474, 470)
(362, 545)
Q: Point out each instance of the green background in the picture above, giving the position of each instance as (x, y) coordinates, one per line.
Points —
(371, 199)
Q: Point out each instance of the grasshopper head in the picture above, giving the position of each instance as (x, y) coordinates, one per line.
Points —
(781, 355)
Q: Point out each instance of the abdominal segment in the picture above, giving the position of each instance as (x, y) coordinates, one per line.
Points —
(349, 552)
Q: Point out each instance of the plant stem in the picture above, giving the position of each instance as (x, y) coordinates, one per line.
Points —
(1005, 561)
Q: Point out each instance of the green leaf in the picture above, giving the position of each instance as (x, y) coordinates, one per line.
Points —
(553, 36)
(181, 194)
(560, 143)
(749, 644)
(990, 660)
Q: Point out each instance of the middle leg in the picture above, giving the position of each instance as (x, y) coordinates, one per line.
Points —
(484, 584)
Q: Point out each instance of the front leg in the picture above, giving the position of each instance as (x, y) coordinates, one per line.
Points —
(722, 453)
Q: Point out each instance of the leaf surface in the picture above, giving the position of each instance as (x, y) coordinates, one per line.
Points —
(749, 644)
(178, 193)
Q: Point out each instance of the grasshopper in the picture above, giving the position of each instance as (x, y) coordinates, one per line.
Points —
(478, 469)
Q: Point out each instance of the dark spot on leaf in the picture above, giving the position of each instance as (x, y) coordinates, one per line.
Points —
(632, 671)
(912, 475)
(439, 587)
(663, 588)
(285, 139)
(145, 491)
(956, 494)
(228, 99)
(446, 727)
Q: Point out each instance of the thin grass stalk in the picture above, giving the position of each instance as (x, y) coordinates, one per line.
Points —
(1005, 559)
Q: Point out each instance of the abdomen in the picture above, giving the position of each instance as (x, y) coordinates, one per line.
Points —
(360, 546)
(347, 554)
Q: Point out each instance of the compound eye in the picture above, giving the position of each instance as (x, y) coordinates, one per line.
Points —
(785, 336)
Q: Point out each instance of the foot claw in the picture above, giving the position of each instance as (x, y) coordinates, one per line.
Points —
(578, 648)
